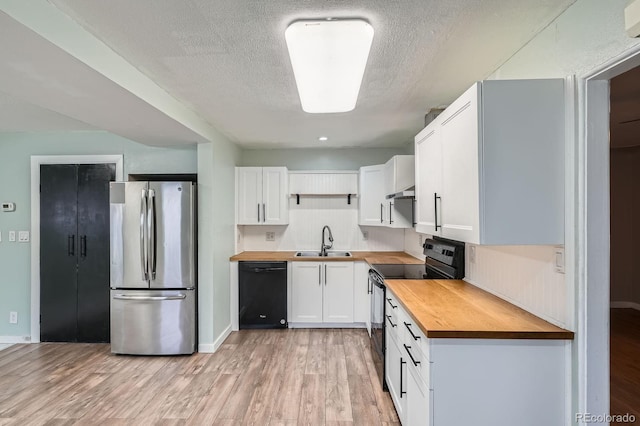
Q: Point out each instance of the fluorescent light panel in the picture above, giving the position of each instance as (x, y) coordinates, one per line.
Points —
(328, 59)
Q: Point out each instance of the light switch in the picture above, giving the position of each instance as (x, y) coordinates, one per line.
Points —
(23, 236)
(271, 236)
(12, 236)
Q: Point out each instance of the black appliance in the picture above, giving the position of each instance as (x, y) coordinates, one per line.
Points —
(444, 260)
(263, 295)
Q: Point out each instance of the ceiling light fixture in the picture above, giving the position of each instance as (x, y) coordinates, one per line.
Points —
(328, 59)
(323, 138)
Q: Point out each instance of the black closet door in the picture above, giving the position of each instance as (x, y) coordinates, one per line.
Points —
(58, 253)
(93, 254)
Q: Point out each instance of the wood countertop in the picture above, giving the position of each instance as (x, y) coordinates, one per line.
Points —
(371, 257)
(457, 309)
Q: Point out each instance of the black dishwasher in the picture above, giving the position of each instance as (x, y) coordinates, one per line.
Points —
(263, 295)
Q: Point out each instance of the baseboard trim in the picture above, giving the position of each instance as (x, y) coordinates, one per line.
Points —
(211, 348)
(625, 305)
(327, 325)
(15, 339)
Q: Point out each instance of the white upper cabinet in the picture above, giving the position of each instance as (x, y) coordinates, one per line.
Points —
(376, 182)
(490, 168)
(399, 174)
(372, 196)
(262, 196)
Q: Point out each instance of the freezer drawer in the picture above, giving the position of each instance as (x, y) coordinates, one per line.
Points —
(153, 322)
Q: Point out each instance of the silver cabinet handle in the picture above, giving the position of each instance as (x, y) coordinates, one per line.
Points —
(319, 274)
(150, 298)
(264, 212)
(143, 242)
(152, 233)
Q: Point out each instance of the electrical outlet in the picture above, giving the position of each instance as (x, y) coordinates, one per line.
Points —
(472, 254)
(271, 236)
(559, 260)
(13, 317)
(23, 236)
(12, 236)
(365, 235)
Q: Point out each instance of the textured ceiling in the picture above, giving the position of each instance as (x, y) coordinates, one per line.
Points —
(227, 60)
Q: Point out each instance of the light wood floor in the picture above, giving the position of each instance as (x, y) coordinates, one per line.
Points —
(263, 377)
(625, 368)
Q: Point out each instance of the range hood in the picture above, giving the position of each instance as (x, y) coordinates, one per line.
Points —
(409, 193)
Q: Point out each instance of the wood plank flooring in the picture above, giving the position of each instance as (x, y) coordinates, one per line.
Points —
(625, 353)
(261, 377)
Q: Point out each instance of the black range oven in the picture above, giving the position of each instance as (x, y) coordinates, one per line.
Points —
(444, 260)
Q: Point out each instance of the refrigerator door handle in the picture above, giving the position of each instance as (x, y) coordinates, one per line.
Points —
(151, 223)
(150, 298)
(143, 242)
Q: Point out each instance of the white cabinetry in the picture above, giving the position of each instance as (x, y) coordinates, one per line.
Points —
(362, 295)
(399, 174)
(372, 195)
(262, 197)
(322, 292)
(490, 168)
(483, 382)
(375, 208)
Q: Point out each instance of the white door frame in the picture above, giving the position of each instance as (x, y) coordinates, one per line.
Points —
(592, 234)
(36, 161)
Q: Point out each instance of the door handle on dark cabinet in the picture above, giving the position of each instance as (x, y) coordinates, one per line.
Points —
(83, 246)
(71, 245)
(435, 209)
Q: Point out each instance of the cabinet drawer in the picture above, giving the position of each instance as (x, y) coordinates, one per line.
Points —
(414, 337)
(417, 361)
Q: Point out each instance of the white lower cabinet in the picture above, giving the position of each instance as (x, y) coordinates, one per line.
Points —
(362, 295)
(467, 381)
(322, 292)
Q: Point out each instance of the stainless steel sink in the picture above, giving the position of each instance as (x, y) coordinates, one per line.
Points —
(330, 253)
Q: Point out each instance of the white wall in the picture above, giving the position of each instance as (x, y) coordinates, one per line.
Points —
(306, 221)
(216, 238)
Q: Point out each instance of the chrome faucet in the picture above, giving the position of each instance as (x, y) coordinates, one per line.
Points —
(323, 250)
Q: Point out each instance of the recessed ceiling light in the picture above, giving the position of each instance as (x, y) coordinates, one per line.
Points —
(328, 59)
(323, 138)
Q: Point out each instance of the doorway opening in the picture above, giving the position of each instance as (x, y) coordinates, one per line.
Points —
(624, 164)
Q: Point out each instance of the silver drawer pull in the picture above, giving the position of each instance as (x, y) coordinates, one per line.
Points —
(152, 298)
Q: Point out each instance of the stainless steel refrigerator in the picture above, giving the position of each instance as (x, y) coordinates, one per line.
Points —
(153, 268)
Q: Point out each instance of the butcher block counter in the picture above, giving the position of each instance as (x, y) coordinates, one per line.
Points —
(371, 257)
(456, 309)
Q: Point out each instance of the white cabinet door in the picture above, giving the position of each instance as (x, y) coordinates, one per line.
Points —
(396, 370)
(275, 198)
(399, 213)
(399, 174)
(372, 187)
(362, 295)
(249, 195)
(418, 408)
(460, 191)
(338, 292)
(428, 178)
(306, 292)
